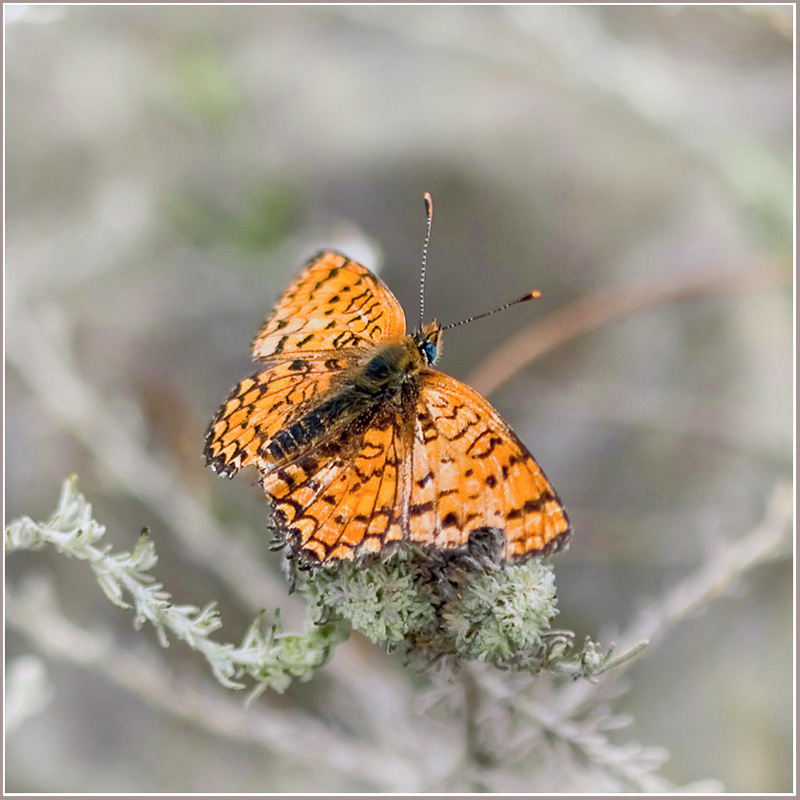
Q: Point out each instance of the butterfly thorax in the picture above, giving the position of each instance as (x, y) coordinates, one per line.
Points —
(384, 379)
(395, 359)
(387, 366)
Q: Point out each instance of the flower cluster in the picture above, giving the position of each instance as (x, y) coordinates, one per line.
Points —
(464, 606)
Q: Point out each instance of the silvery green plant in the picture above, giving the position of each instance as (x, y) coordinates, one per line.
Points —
(272, 658)
(461, 607)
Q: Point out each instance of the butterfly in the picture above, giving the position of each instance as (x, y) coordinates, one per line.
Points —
(362, 444)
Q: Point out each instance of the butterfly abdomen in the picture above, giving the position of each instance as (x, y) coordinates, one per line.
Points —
(310, 427)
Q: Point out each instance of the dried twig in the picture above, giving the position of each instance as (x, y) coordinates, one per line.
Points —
(610, 305)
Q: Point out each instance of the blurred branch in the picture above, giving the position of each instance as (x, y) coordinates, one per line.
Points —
(768, 541)
(779, 17)
(632, 765)
(28, 690)
(518, 739)
(297, 737)
(610, 305)
(574, 48)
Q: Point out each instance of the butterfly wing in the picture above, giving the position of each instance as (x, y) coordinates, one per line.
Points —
(321, 326)
(470, 471)
(346, 498)
(334, 304)
(262, 404)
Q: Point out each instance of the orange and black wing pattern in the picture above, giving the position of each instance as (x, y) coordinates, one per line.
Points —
(346, 498)
(321, 326)
(470, 471)
(261, 405)
(333, 305)
(432, 474)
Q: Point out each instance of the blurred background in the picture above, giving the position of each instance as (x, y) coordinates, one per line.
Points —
(169, 169)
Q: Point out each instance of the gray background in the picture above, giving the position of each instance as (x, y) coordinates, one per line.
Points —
(170, 168)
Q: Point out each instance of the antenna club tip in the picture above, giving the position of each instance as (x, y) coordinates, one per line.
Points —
(428, 201)
(533, 295)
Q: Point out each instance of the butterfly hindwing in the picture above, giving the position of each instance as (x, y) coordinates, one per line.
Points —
(471, 472)
(432, 471)
(345, 498)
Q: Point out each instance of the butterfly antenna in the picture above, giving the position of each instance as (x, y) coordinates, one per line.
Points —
(530, 296)
(429, 215)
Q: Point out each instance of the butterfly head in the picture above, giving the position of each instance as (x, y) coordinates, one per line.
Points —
(428, 339)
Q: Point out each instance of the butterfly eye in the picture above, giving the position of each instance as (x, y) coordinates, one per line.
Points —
(429, 351)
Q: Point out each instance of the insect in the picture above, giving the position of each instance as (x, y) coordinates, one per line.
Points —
(361, 443)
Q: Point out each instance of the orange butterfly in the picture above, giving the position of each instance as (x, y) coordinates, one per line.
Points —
(362, 444)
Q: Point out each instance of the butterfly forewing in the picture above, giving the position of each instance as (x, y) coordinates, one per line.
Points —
(321, 326)
(334, 304)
